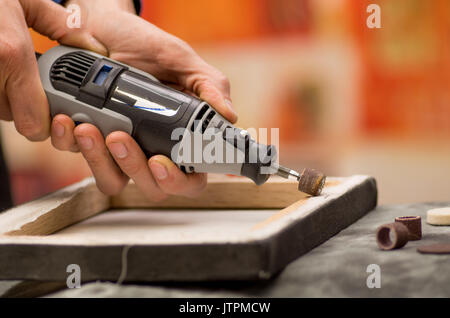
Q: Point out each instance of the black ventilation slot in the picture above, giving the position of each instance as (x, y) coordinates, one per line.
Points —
(199, 117)
(189, 169)
(207, 120)
(228, 133)
(67, 67)
(68, 72)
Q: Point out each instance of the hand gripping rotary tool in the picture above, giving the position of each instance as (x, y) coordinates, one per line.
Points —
(91, 88)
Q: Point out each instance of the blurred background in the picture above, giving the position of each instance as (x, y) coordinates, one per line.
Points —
(347, 99)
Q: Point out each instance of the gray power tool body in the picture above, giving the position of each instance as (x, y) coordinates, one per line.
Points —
(91, 88)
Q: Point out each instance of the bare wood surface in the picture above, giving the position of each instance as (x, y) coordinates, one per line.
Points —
(222, 192)
(55, 211)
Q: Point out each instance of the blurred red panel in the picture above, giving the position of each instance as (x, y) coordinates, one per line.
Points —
(29, 184)
(228, 20)
(406, 70)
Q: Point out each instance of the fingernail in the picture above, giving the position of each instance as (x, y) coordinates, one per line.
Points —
(85, 143)
(158, 170)
(58, 129)
(118, 150)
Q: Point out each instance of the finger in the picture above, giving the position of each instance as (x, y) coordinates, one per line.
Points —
(133, 162)
(51, 20)
(173, 181)
(30, 110)
(210, 93)
(26, 97)
(5, 111)
(210, 85)
(62, 133)
(109, 178)
(177, 62)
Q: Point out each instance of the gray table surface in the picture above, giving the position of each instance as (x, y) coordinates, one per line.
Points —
(337, 268)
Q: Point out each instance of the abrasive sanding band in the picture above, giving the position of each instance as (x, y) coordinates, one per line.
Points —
(414, 225)
(391, 236)
(311, 181)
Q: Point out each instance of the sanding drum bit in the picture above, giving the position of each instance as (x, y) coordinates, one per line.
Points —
(310, 181)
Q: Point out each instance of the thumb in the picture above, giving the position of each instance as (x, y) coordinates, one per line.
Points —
(51, 20)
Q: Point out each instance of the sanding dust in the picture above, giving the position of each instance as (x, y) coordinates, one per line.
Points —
(332, 183)
(289, 209)
(279, 214)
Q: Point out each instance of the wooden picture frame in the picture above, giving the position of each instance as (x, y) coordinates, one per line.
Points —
(234, 230)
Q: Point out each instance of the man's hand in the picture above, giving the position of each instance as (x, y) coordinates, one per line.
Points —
(22, 97)
(130, 39)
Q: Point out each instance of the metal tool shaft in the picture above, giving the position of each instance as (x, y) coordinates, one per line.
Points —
(287, 173)
(310, 181)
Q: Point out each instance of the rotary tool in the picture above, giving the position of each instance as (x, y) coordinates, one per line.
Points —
(113, 96)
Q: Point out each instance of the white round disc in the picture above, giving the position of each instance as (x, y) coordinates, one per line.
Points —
(439, 216)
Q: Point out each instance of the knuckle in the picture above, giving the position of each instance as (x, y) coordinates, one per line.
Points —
(199, 83)
(110, 188)
(202, 186)
(175, 188)
(5, 113)
(224, 81)
(131, 168)
(198, 189)
(57, 145)
(95, 161)
(32, 129)
(178, 49)
(74, 148)
(59, 34)
(11, 49)
(64, 145)
(180, 45)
